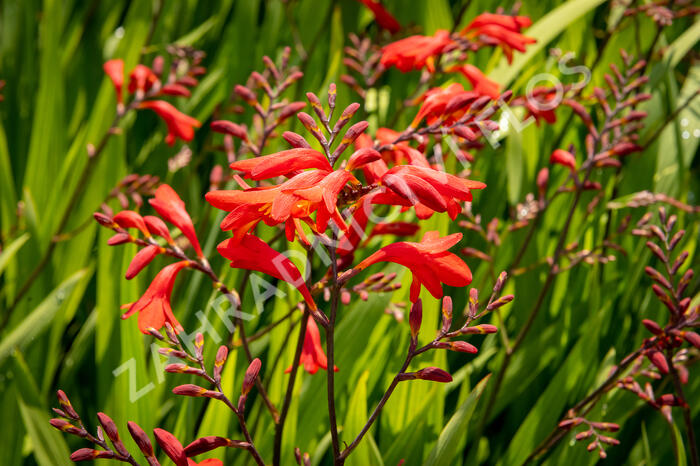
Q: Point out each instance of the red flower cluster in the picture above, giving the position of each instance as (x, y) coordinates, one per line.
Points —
(144, 82)
(500, 30)
(154, 306)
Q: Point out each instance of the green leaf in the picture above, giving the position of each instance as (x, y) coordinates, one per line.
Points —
(445, 449)
(9, 252)
(41, 317)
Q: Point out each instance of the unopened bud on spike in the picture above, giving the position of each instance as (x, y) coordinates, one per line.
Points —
(446, 314)
(141, 439)
(198, 345)
(503, 300)
(221, 356)
(250, 375)
(473, 302)
(66, 405)
(434, 374)
(415, 318)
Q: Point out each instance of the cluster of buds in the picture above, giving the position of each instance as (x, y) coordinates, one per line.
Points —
(146, 84)
(669, 287)
(376, 283)
(175, 349)
(269, 85)
(593, 432)
(664, 12)
(70, 423)
(445, 336)
(362, 58)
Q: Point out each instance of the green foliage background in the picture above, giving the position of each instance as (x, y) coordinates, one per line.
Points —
(66, 332)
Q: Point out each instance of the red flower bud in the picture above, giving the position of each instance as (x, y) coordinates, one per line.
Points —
(228, 127)
(250, 375)
(415, 318)
(434, 374)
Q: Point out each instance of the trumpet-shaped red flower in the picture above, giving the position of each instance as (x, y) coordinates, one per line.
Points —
(169, 206)
(416, 52)
(282, 163)
(179, 125)
(447, 104)
(312, 356)
(429, 261)
(154, 306)
(115, 71)
(500, 30)
(291, 202)
(252, 253)
(480, 83)
(436, 190)
(383, 18)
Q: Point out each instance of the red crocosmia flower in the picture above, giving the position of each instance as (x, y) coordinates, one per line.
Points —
(154, 306)
(282, 163)
(437, 190)
(115, 70)
(325, 196)
(169, 206)
(447, 103)
(564, 158)
(429, 261)
(291, 202)
(141, 79)
(416, 52)
(172, 447)
(312, 356)
(252, 253)
(273, 205)
(179, 125)
(141, 260)
(384, 19)
(130, 219)
(480, 83)
(500, 30)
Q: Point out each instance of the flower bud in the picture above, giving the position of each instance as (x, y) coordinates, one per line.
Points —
(434, 374)
(250, 375)
(89, 454)
(296, 140)
(140, 438)
(481, 329)
(228, 127)
(171, 446)
(446, 314)
(66, 405)
(415, 318)
(221, 356)
(652, 326)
